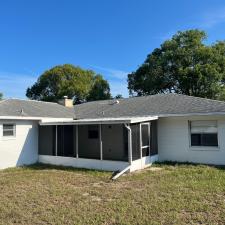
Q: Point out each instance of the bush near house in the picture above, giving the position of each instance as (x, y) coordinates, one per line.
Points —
(167, 194)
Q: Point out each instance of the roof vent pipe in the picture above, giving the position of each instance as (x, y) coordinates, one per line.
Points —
(115, 102)
(22, 112)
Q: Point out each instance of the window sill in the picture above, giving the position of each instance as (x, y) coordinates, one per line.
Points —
(204, 148)
(8, 138)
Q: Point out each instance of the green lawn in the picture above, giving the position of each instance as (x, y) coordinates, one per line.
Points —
(170, 194)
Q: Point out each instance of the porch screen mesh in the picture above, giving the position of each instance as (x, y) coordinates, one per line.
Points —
(88, 142)
(153, 138)
(135, 128)
(114, 142)
(46, 140)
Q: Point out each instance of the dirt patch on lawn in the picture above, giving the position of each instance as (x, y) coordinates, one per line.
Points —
(151, 168)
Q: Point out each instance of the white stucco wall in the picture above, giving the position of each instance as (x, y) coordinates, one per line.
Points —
(174, 141)
(107, 165)
(21, 149)
(143, 163)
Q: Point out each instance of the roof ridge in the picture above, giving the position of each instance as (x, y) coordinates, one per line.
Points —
(31, 100)
(189, 96)
(3, 100)
(127, 98)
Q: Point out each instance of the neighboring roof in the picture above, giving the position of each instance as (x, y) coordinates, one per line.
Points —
(152, 105)
(30, 108)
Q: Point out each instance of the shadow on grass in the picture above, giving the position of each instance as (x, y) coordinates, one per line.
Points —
(41, 166)
(174, 163)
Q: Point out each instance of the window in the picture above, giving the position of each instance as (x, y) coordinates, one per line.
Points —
(204, 133)
(9, 130)
(93, 132)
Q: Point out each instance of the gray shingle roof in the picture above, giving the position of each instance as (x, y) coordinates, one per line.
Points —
(28, 108)
(160, 104)
(153, 105)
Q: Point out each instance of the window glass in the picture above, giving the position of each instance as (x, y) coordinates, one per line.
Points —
(9, 130)
(204, 133)
(93, 132)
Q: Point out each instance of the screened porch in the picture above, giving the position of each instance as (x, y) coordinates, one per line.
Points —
(106, 146)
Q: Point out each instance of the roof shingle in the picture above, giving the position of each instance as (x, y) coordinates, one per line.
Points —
(152, 105)
(29, 108)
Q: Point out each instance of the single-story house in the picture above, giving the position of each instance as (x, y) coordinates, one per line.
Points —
(113, 134)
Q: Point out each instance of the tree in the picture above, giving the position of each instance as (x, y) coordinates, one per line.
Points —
(100, 89)
(183, 65)
(118, 96)
(63, 80)
(1, 96)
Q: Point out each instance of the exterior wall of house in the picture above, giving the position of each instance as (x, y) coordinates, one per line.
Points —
(21, 149)
(107, 165)
(143, 163)
(174, 141)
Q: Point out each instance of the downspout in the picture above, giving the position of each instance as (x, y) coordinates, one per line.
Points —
(56, 140)
(129, 153)
(129, 143)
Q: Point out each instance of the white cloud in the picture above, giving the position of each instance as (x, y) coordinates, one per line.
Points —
(165, 36)
(212, 18)
(116, 78)
(118, 87)
(206, 20)
(113, 73)
(14, 85)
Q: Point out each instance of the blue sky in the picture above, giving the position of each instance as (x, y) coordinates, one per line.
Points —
(111, 37)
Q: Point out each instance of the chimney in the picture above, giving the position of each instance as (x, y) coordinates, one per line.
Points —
(66, 102)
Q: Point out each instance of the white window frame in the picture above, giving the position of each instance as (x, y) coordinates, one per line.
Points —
(14, 130)
(203, 148)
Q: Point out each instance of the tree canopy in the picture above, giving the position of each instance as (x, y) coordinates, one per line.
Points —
(71, 81)
(183, 64)
(100, 89)
(1, 96)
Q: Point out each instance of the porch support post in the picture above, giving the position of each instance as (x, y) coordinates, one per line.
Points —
(140, 138)
(100, 141)
(56, 140)
(129, 143)
(149, 133)
(77, 154)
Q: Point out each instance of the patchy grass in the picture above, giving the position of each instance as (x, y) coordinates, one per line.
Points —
(173, 194)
